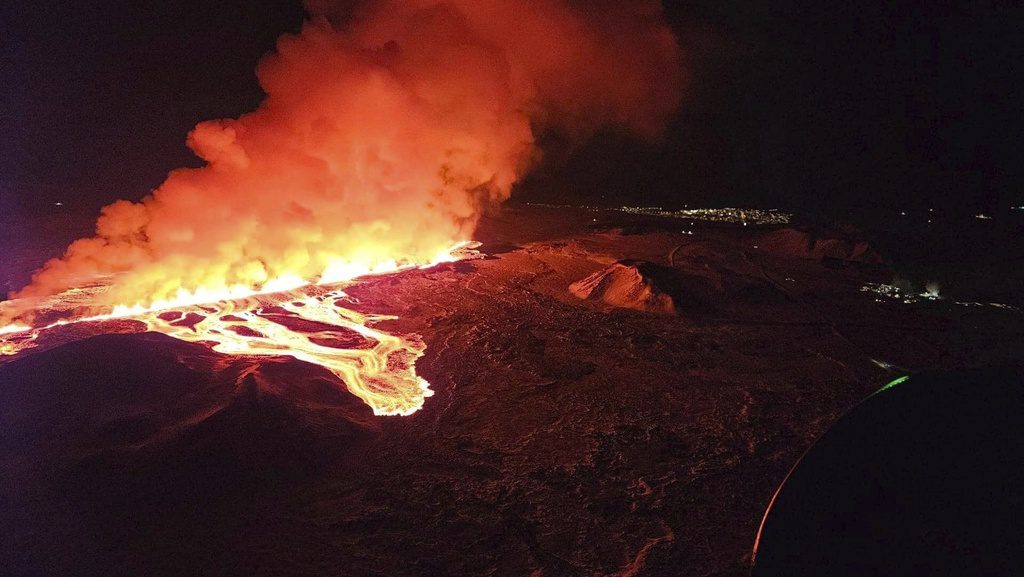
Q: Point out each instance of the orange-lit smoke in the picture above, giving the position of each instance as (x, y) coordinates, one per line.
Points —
(383, 135)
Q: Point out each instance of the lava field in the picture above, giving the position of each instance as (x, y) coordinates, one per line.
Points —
(569, 432)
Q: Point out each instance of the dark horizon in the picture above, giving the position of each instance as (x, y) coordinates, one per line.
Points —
(891, 105)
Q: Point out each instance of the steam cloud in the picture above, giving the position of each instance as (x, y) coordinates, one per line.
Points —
(383, 135)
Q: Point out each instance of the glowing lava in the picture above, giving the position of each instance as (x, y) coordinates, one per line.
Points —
(376, 366)
(309, 323)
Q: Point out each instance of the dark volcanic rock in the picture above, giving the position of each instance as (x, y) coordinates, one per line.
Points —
(130, 451)
(819, 246)
(563, 438)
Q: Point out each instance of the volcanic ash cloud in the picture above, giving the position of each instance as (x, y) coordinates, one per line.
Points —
(387, 128)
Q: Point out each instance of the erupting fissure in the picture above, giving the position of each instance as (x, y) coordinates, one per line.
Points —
(310, 322)
(388, 127)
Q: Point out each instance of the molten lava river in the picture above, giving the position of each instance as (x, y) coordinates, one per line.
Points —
(309, 322)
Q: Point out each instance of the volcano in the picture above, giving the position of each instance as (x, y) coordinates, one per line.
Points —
(565, 435)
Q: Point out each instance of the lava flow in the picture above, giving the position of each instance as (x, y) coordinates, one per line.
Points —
(376, 366)
(310, 323)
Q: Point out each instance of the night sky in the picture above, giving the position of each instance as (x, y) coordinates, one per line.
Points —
(813, 106)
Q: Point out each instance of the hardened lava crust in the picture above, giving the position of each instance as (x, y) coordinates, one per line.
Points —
(571, 432)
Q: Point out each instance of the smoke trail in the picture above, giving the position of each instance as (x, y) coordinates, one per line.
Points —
(387, 127)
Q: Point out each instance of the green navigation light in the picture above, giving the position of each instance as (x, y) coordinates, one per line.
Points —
(893, 383)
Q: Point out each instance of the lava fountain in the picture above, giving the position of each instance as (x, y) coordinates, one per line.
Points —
(387, 129)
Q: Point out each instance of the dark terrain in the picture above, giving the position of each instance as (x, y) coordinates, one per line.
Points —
(565, 437)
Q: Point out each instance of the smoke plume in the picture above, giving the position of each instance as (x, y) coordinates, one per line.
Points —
(387, 128)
